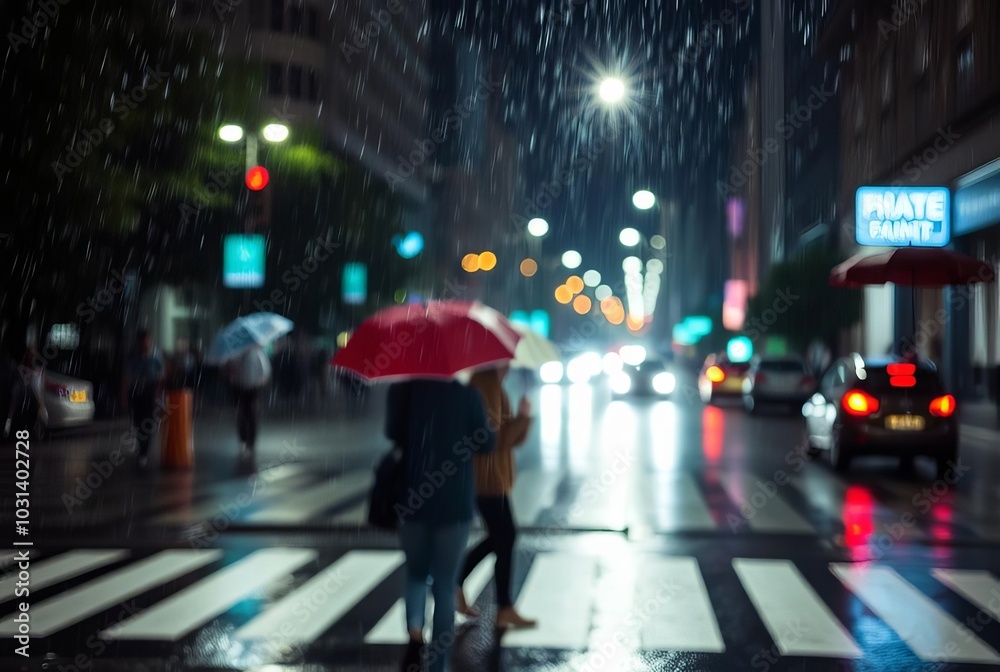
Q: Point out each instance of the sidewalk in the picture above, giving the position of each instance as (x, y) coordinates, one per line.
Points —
(982, 414)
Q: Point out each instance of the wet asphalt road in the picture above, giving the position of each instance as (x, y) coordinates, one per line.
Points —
(655, 535)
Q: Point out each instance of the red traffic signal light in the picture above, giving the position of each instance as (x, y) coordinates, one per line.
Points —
(257, 178)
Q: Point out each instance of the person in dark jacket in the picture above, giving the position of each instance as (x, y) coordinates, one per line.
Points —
(440, 426)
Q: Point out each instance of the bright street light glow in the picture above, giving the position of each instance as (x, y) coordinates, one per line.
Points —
(603, 292)
(632, 265)
(644, 200)
(572, 259)
(612, 90)
(231, 133)
(592, 278)
(538, 227)
(551, 372)
(664, 382)
(633, 355)
(629, 237)
(657, 242)
(654, 266)
(275, 133)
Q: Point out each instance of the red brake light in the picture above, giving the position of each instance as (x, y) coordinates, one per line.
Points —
(903, 381)
(901, 369)
(859, 403)
(715, 374)
(943, 407)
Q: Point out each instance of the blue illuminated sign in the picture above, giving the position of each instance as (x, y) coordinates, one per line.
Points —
(355, 289)
(243, 261)
(699, 325)
(540, 322)
(903, 216)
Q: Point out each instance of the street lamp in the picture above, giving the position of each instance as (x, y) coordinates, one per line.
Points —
(629, 237)
(571, 259)
(538, 227)
(234, 133)
(643, 199)
(611, 90)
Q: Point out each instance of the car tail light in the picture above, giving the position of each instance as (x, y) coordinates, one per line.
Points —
(943, 407)
(715, 374)
(859, 403)
(901, 369)
(903, 381)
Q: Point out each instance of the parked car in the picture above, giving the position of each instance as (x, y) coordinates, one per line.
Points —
(650, 378)
(69, 402)
(883, 405)
(777, 380)
(720, 377)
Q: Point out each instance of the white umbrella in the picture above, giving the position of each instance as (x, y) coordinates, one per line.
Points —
(243, 332)
(533, 349)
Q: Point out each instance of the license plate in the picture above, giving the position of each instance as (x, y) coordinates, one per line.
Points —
(78, 397)
(905, 423)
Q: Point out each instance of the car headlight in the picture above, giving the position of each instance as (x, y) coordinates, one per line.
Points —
(551, 372)
(621, 383)
(664, 383)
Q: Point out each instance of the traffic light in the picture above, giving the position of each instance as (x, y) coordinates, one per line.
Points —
(257, 178)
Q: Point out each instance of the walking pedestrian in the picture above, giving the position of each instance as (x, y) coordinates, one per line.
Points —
(495, 474)
(145, 386)
(250, 373)
(440, 426)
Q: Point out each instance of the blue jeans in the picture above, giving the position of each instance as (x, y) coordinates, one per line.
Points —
(435, 552)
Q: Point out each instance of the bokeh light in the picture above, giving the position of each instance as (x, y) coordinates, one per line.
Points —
(563, 294)
(582, 304)
(575, 284)
(487, 261)
(529, 267)
(470, 262)
(571, 259)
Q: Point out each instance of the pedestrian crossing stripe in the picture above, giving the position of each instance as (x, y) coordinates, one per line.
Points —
(567, 591)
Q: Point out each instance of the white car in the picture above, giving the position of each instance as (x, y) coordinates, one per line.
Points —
(68, 402)
(778, 380)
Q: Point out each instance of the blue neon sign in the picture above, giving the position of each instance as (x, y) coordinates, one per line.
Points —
(903, 216)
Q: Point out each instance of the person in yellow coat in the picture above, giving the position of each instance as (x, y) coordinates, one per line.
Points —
(495, 474)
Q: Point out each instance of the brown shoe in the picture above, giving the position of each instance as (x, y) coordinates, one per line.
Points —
(509, 618)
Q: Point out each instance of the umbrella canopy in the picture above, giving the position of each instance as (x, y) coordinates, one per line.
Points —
(916, 266)
(533, 349)
(434, 340)
(243, 332)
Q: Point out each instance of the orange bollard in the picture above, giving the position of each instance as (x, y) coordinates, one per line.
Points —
(178, 431)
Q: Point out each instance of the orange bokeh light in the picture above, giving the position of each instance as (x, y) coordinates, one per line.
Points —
(575, 284)
(582, 305)
(470, 263)
(529, 267)
(563, 294)
(487, 261)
